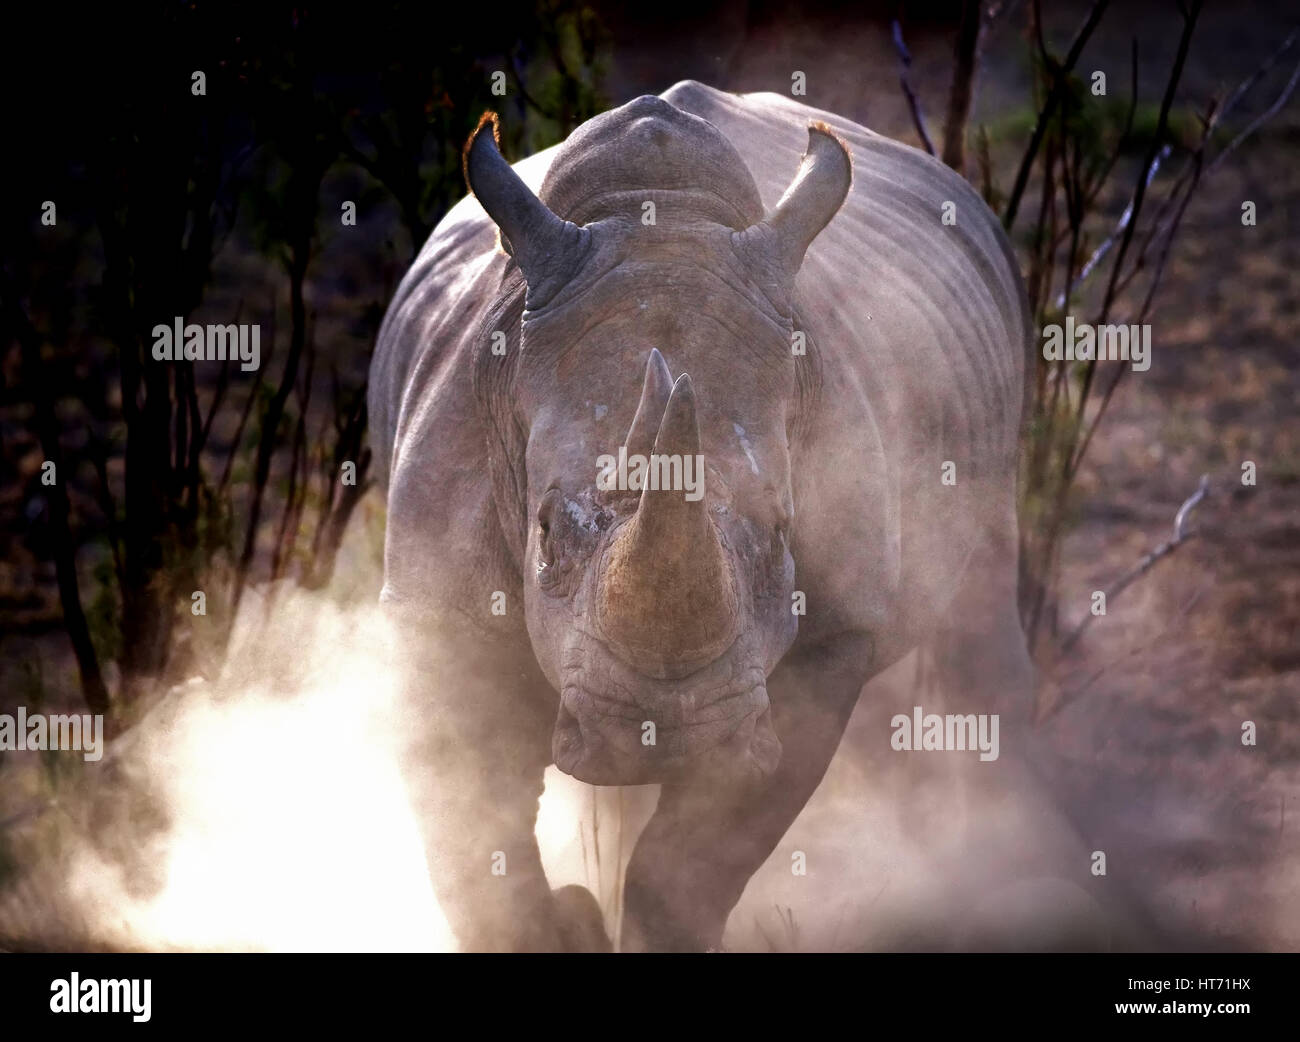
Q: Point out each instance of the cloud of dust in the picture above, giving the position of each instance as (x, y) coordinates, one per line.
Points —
(282, 823)
(288, 826)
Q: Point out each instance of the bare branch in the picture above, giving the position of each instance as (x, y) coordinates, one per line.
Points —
(1157, 142)
(1105, 247)
(1054, 96)
(57, 504)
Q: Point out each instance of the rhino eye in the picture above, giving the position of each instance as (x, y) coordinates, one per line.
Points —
(546, 513)
(568, 529)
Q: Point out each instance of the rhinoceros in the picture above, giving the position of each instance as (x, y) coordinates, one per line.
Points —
(834, 325)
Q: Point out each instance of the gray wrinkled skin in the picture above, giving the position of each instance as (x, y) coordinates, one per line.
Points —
(822, 476)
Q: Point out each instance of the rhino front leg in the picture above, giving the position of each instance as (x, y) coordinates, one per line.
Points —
(476, 746)
(701, 846)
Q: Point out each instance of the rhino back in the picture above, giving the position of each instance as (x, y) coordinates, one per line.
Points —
(887, 288)
(913, 304)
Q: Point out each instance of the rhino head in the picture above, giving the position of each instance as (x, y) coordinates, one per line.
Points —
(657, 324)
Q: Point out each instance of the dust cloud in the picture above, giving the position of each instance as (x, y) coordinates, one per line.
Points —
(264, 810)
(278, 819)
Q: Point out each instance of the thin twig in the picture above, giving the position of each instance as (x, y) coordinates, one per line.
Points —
(1060, 75)
(914, 106)
(1074, 693)
(1246, 85)
(1157, 143)
(1100, 252)
(1181, 535)
(1261, 119)
(523, 91)
(249, 402)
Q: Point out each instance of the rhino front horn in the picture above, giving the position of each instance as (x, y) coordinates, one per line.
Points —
(666, 598)
(547, 249)
(817, 192)
(655, 390)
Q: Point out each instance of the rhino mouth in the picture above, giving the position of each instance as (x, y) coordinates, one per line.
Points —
(606, 741)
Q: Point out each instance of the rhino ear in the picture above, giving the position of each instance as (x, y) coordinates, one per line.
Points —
(816, 193)
(547, 249)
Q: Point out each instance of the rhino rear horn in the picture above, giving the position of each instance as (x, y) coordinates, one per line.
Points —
(547, 248)
(813, 198)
